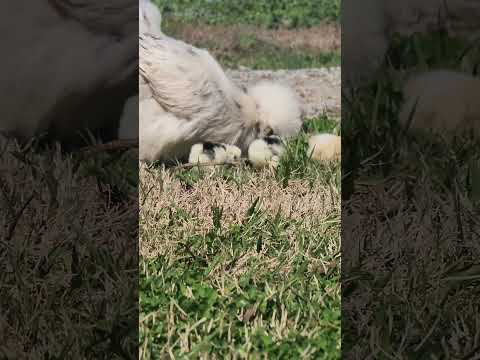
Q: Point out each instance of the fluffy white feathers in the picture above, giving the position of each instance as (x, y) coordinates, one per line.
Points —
(196, 102)
(36, 56)
(150, 19)
(325, 147)
(443, 102)
(205, 153)
(234, 153)
(162, 135)
(278, 108)
(128, 128)
(265, 152)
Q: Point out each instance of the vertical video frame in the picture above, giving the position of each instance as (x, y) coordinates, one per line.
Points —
(239, 179)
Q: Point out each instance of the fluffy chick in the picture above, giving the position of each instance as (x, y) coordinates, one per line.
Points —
(265, 152)
(325, 147)
(234, 153)
(442, 102)
(278, 108)
(208, 152)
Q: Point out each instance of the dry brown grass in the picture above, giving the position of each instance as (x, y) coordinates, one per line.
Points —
(161, 190)
(67, 260)
(410, 263)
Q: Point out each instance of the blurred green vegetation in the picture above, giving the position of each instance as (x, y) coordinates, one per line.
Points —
(269, 13)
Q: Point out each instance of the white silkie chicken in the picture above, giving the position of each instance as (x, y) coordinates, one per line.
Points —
(442, 102)
(70, 66)
(128, 127)
(150, 18)
(325, 147)
(186, 98)
(266, 152)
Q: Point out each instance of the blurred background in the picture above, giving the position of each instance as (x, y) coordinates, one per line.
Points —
(265, 34)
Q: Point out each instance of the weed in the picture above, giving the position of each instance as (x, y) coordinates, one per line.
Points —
(264, 12)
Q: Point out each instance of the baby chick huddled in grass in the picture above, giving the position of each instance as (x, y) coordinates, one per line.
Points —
(266, 152)
(263, 152)
(214, 153)
(325, 147)
(442, 102)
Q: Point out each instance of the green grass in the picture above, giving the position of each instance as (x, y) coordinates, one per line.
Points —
(408, 248)
(295, 13)
(210, 307)
(246, 49)
(296, 162)
(260, 55)
(265, 286)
